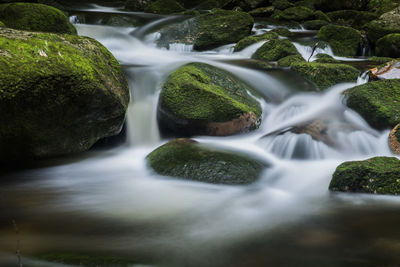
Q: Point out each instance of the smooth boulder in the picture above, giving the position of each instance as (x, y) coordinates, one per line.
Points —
(199, 99)
(389, 46)
(59, 94)
(378, 175)
(188, 159)
(377, 102)
(345, 41)
(274, 50)
(35, 17)
(387, 23)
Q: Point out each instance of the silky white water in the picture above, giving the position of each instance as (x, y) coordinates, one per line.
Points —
(197, 219)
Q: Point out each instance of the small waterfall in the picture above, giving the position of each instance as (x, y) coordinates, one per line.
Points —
(363, 78)
(182, 48)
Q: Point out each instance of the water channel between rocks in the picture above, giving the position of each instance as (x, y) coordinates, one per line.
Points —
(109, 202)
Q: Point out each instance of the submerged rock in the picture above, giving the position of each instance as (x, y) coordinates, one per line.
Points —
(389, 46)
(35, 17)
(344, 41)
(379, 175)
(59, 94)
(186, 158)
(389, 71)
(207, 31)
(199, 99)
(247, 41)
(325, 75)
(377, 102)
(387, 23)
(394, 140)
(275, 49)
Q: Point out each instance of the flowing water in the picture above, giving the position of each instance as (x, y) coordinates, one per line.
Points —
(108, 202)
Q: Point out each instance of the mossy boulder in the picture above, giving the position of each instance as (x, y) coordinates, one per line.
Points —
(378, 175)
(345, 41)
(59, 94)
(382, 6)
(325, 75)
(199, 99)
(282, 32)
(300, 13)
(394, 140)
(282, 4)
(164, 7)
(289, 60)
(389, 46)
(208, 31)
(187, 159)
(275, 49)
(262, 12)
(319, 15)
(314, 24)
(377, 102)
(387, 23)
(325, 58)
(247, 41)
(352, 18)
(35, 17)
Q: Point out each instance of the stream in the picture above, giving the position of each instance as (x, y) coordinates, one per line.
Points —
(108, 202)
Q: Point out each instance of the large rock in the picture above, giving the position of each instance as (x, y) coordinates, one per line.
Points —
(249, 40)
(210, 30)
(389, 46)
(387, 23)
(382, 6)
(164, 7)
(325, 75)
(35, 17)
(300, 13)
(275, 49)
(352, 18)
(345, 41)
(391, 70)
(377, 102)
(201, 99)
(59, 94)
(185, 158)
(289, 60)
(379, 175)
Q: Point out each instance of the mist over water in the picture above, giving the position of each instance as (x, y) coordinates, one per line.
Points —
(109, 201)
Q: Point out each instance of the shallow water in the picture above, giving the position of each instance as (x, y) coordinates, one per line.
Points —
(108, 201)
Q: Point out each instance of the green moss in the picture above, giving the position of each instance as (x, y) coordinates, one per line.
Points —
(352, 18)
(287, 61)
(222, 27)
(314, 24)
(199, 91)
(380, 60)
(282, 4)
(382, 6)
(319, 15)
(300, 13)
(325, 75)
(379, 175)
(377, 102)
(59, 94)
(185, 158)
(387, 23)
(282, 32)
(35, 17)
(389, 46)
(262, 12)
(79, 259)
(275, 49)
(247, 41)
(344, 41)
(164, 7)
(325, 58)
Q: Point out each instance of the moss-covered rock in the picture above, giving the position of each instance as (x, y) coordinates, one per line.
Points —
(35, 17)
(289, 60)
(388, 46)
(282, 32)
(325, 75)
(185, 158)
(282, 4)
(207, 31)
(275, 49)
(201, 99)
(345, 41)
(314, 24)
(387, 23)
(380, 60)
(325, 58)
(319, 15)
(59, 94)
(294, 13)
(137, 5)
(352, 18)
(382, 6)
(245, 42)
(262, 12)
(394, 140)
(377, 102)
(379, 175)
(164, 7)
